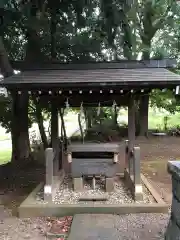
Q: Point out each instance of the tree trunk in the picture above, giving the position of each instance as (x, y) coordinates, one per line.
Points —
(144, 100)
(19, 124)
(19, 131)
(39, 119)
(115, 116)
(33, 54)
(80, 127)
(63, 124)
(53, 34)
(147, 47)
(14, 130)
(87, 114)
(89, 121)
(6, 68)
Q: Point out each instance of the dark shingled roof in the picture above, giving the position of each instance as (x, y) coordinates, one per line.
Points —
(95, 77)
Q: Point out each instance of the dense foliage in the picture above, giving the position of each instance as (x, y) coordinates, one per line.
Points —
(82, 31)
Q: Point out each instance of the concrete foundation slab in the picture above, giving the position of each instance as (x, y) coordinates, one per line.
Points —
(30, 207)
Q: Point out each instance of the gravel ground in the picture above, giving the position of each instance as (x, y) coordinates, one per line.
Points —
(114, 227)
(119, 196)
(66, 195)
(13, 228)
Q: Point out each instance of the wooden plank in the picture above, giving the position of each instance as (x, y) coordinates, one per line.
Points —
(94, 147)
(152, 190)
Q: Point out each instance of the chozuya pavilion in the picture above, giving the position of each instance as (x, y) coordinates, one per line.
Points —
(84, 177)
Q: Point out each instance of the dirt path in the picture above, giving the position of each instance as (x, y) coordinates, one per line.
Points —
(155, 154)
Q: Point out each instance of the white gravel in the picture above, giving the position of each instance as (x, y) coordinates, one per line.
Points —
(66, 195)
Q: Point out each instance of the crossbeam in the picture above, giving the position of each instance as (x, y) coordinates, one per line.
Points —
(94, 147)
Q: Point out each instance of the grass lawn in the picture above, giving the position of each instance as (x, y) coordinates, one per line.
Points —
(156, 119)
(5, 156)
(4, 137)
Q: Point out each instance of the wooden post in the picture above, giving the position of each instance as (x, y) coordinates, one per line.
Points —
(126, 155)
(116, 157)
(143, 115)
(138, 192)
(131, 131)
(48, 188)
(61, 154)
(109, 185)
(69, 157)
(55, 133)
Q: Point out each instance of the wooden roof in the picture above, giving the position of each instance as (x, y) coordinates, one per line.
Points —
(89, 78)
(120, 64)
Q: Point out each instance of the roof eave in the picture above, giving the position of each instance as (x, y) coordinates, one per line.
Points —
(88, 85)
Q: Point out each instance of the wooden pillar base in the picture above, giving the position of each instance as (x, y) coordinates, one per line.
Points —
(48, 188)
(109, 185)
(136, 189)
(93, 183)
(78, 184)
(48, 193)
(138, 192)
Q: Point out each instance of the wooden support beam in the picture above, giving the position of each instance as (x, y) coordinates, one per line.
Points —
(131, 131)
(143, 115)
